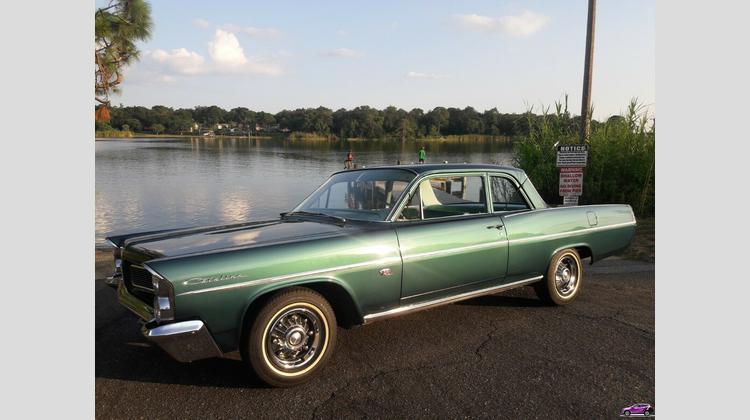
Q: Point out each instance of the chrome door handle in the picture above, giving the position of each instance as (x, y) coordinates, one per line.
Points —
(498, 227)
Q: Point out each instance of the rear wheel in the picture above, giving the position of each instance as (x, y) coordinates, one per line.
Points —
(291, 338)
(563, 281)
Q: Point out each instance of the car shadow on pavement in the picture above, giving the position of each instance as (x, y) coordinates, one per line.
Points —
(503, 300)
(122, 353)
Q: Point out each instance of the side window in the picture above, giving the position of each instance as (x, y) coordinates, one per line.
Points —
(505, 195)
(452, 196)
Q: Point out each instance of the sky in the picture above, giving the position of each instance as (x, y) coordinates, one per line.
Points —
(513, 55)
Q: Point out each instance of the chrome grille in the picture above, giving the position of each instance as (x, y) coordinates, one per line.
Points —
(140, 278)
(138, 282)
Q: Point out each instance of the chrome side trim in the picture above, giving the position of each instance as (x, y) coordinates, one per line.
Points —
(563, 208)
(185, 341)
(266, 280)
(573, 233)
(446, 300)
(495, 244)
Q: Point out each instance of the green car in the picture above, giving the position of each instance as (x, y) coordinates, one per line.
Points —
(367, 245)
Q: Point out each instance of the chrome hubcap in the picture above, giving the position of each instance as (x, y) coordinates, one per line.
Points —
(566, 275)
(294, 339)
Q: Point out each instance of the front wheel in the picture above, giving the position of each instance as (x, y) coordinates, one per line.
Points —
(291, 338)
(563, 281)
(627, 413)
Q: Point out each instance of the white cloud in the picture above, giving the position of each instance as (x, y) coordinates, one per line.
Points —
(525, 24)
(226, 57)
(344, 53)
(201, 23)
(179, 61)
(225, 49)
(427, 76)
(252, 31)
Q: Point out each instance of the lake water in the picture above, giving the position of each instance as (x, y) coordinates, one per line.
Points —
(148, 184)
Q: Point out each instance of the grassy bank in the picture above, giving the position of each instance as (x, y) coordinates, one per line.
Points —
(643, 247)
(468, 138)
(108, 134)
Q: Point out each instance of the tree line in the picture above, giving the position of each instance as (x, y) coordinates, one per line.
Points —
(360, 122)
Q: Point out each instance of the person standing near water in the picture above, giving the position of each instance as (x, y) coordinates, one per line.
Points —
(349, 160)
(422, 155)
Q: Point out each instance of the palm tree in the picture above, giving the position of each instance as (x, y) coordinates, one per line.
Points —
(119, 25)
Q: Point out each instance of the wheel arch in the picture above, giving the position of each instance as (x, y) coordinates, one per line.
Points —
(338, 295)
(584, 251)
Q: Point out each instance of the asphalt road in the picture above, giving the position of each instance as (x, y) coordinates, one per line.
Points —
(500, 356)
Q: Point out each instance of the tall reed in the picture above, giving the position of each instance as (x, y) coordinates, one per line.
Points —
(621, 162)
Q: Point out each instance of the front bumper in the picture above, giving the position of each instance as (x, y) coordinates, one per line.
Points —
(185, 341)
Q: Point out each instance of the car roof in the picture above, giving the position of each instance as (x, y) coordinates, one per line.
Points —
(517, 173)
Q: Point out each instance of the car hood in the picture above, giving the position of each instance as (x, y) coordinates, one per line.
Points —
(217, 238)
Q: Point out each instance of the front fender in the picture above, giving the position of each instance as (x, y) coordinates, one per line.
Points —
(345, 300)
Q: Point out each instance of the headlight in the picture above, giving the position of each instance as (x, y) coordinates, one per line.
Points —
(163, 296)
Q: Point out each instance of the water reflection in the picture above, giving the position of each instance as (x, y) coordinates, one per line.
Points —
(144, 184)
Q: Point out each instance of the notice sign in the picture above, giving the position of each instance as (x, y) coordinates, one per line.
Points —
(572, 156)
(571, 182)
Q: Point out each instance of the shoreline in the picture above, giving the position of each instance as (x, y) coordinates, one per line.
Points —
(469, 138)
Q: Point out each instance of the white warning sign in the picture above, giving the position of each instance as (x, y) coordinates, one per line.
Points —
(571, 182)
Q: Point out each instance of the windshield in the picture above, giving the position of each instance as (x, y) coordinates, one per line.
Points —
(358, 195)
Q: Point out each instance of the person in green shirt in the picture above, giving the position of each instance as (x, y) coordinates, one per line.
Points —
(422, 155)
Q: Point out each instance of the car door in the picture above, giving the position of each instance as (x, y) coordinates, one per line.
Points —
(448, 238)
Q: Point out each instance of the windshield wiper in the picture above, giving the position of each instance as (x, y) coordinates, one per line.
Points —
(339, 220)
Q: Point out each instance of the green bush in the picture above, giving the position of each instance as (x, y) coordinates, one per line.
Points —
(620, 164)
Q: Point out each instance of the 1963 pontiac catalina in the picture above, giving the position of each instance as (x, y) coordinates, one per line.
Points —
(368, 244)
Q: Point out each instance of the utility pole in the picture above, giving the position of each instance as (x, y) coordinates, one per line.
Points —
(587, 72)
